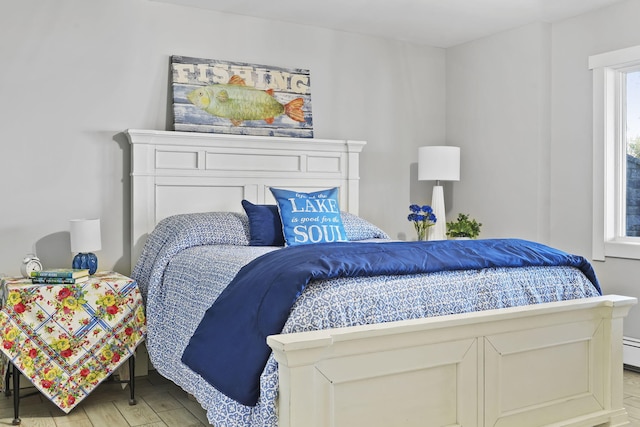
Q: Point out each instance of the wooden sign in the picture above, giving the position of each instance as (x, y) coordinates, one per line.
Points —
(237, 98)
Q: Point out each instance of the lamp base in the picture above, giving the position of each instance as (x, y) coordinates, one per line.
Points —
(86, 260)
(438, 231)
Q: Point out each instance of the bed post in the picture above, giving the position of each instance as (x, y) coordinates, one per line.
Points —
(613, 361)
(353, 175)
(142, 190)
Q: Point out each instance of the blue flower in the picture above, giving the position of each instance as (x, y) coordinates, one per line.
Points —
(422, 218)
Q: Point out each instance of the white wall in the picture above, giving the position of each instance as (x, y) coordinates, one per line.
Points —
(498, 113)
(519, 104)
(76, 73)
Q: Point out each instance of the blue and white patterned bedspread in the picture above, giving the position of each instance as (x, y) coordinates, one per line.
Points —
(182, 276)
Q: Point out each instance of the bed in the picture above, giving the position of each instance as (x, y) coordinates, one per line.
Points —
(514, 363)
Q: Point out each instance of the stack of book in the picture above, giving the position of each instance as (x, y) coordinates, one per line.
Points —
(61, 276)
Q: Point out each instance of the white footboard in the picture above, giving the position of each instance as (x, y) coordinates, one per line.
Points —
(549, 364)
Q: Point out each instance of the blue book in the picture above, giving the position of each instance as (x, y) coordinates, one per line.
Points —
(62, 273)
(58, 280)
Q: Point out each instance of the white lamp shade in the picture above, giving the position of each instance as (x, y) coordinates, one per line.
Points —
(439, 163)
(85, 235)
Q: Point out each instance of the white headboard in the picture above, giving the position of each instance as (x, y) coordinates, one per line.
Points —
(186, 172)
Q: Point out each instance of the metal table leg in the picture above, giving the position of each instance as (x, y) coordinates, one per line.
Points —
(7, 378)
(16, 396)
(132, 379)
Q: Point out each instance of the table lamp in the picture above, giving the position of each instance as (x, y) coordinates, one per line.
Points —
(85, 238)
(438, 163)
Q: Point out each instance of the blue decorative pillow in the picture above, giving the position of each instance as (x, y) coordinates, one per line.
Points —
(310, 217)
(265, 228)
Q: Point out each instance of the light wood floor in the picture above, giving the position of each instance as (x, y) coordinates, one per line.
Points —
(163, 404)
(632, 396)
(160, 404)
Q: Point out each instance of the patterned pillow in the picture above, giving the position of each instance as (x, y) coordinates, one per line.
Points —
(360, 229)
(310, 217)
(265, 227)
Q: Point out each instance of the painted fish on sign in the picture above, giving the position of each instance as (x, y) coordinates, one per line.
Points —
(237, 102)
(239, 98)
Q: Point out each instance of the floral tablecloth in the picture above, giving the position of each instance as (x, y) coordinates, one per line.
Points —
(67, 339)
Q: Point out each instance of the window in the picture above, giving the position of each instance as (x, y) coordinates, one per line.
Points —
(616, 153)
(632, 139)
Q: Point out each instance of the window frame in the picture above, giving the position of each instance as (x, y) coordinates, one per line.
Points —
(609, 158)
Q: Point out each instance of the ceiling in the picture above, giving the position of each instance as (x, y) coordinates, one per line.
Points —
(438, 23)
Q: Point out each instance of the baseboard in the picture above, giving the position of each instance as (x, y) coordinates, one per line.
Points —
(631, 352)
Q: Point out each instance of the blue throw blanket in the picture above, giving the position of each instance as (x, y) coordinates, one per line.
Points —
(229, 346)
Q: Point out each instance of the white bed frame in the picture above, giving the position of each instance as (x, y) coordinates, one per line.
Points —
(556, 364)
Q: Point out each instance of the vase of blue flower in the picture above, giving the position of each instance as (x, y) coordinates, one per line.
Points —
(422, 218)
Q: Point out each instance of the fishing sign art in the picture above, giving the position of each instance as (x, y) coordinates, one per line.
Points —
(237, 98)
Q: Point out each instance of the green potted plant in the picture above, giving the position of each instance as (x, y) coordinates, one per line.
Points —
(463, 227)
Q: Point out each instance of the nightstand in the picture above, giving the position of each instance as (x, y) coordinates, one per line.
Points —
(67, 339)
